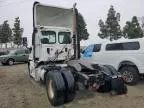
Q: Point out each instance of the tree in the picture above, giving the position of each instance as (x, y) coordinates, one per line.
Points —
(1, 35)
(82, 30)
(5, 33)
(132, 29)
(111, 28)
(17, 32)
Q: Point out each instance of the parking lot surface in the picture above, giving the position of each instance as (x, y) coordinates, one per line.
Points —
(18, 90)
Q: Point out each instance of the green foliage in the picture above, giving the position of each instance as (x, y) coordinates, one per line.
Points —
(5, 32)
(111, 28)
(82, 30)
(17, 32)
(103, 30)
(132, 29)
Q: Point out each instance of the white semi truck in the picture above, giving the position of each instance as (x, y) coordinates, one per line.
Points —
(55, 57)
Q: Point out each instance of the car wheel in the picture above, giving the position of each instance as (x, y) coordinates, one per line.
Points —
(130, 75)
(70, 85)
(10, 62)
(55, 87)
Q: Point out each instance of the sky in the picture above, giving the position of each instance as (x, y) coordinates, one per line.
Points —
(92, 11)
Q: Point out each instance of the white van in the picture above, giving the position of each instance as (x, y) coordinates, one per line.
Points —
(126, 55)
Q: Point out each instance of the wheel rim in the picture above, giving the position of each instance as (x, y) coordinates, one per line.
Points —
(50, 90)
(128, 76)
(10, 62)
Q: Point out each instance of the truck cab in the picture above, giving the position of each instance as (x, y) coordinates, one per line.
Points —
(52, 34)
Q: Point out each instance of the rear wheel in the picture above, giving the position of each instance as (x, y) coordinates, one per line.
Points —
(70, 85)
(130, 75)
(10, 62)
(55, 88)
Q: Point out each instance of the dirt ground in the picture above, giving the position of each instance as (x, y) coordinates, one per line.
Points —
(17, 90)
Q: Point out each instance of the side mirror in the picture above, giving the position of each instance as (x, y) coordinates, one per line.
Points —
(30, 49)
(24, 41)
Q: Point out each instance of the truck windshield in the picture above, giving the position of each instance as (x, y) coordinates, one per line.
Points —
(64, 37)
(49, 37)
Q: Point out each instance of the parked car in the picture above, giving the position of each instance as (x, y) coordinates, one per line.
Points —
(18, 55)
(127, 56)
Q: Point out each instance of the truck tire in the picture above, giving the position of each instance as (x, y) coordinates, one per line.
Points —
(130, 75)
(70, 85)
(118, 86)
(55, 88)
(10, 62)
(107, 85)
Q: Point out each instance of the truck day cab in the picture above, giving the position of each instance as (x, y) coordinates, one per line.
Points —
(55, 54)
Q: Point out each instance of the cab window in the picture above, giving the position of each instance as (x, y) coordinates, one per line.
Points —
(48, 37)
(64, 37)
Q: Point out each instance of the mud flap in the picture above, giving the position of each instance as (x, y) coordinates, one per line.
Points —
(107, 87)
(118, 86)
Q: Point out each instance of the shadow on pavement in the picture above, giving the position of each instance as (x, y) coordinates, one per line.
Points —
(17, 63)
